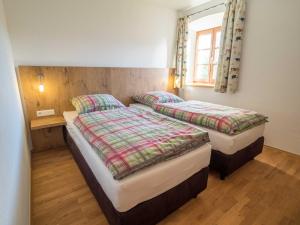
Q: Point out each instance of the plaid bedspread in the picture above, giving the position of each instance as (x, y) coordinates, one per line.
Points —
(221, 118)
(129, 139)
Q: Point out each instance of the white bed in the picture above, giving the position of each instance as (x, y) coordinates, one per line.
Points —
(225, 143)
(145, 184)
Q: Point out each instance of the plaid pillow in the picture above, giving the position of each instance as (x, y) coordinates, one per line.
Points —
(97, 102)
(153, 97)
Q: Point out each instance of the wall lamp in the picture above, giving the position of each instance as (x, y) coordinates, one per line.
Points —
(41, 85)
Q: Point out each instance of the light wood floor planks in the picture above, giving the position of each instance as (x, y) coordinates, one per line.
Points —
(265, 191)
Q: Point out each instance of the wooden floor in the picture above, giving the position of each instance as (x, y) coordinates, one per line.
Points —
(265, 191)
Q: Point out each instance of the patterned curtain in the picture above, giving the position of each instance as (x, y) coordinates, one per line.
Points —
(181, 52)
(231, 46)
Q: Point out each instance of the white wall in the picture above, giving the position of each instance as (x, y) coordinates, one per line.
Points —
(14, 153)
(270, 75)
(205, 9)
(112, 33)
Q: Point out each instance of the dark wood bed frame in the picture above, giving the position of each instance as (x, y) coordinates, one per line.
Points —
(148, 212)
(227, 164)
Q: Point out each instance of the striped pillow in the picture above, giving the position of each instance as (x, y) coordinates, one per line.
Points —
(153, 97)
(97, 102)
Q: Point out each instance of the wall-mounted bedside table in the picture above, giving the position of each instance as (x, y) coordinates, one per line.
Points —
(47, 133)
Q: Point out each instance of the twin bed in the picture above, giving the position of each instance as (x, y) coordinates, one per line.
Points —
(231, 147)
(160, 180)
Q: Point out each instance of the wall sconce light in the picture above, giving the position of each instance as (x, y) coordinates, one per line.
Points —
(41, 85)
(177, 82)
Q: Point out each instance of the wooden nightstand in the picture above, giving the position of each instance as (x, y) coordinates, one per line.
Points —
(47, 133)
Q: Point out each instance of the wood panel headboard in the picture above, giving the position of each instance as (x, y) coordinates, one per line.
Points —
(63, 83)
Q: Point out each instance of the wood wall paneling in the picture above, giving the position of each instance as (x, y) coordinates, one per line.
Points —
(63, 83)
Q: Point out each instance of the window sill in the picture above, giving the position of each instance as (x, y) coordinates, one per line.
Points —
(200, 85)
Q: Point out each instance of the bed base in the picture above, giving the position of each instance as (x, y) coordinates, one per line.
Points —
(227, 164)
(149, 212)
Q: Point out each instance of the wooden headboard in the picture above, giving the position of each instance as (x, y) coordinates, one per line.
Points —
(63, 83)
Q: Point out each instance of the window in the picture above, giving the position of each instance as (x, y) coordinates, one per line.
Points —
(206, 56)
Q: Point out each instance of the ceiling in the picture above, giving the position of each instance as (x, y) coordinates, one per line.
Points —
(179, 4)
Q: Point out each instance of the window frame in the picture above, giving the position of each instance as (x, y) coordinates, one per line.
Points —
(210, 82)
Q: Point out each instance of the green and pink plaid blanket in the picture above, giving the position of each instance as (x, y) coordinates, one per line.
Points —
(152, 97)
(221, 118)
(129, 139)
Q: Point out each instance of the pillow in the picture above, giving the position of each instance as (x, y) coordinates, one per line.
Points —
(153, 97)
(97, 102)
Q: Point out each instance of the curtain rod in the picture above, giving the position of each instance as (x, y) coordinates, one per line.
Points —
(205, 9)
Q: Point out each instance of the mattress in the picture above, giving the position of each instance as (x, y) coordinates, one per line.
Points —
(222, 142)
(145, 184)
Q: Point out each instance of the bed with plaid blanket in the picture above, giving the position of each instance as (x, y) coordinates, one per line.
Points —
(129, 139)
(221, 118)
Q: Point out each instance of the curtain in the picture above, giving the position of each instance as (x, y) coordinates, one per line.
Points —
(181, 52)
(231, 46)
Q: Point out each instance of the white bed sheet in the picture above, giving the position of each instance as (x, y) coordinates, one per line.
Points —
(223, 142)
(145, 184)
